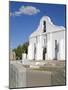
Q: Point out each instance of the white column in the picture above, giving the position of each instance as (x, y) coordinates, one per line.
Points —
(62, 49)
(39, 52)
(49, 47)
(31, 52)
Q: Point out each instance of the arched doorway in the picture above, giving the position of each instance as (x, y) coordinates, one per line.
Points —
(34, 51)
(44, 52)
(56, 49)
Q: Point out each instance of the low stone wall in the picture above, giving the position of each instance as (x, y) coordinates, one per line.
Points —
(17, 76)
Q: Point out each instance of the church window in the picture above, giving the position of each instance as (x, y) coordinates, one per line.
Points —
(44, 24)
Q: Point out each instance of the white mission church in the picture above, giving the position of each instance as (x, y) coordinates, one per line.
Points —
(47, 42)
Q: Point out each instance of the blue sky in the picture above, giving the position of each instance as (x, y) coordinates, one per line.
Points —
(25, 17)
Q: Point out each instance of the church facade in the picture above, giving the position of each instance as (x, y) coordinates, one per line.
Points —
(47, 42)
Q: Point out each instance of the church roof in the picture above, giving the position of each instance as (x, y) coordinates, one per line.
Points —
(50, 27)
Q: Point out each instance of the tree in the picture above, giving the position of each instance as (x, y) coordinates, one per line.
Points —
(21, 49)
(25, 48)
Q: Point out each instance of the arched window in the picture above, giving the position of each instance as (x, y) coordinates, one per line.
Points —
(34, 51)
(44, 26)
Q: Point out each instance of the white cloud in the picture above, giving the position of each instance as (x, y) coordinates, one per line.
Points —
(27, 10)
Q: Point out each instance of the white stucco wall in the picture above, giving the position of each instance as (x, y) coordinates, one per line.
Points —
(60, 37)
(36, 39)
(35, 42)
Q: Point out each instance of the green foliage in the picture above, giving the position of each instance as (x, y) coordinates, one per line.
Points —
(21, 49)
